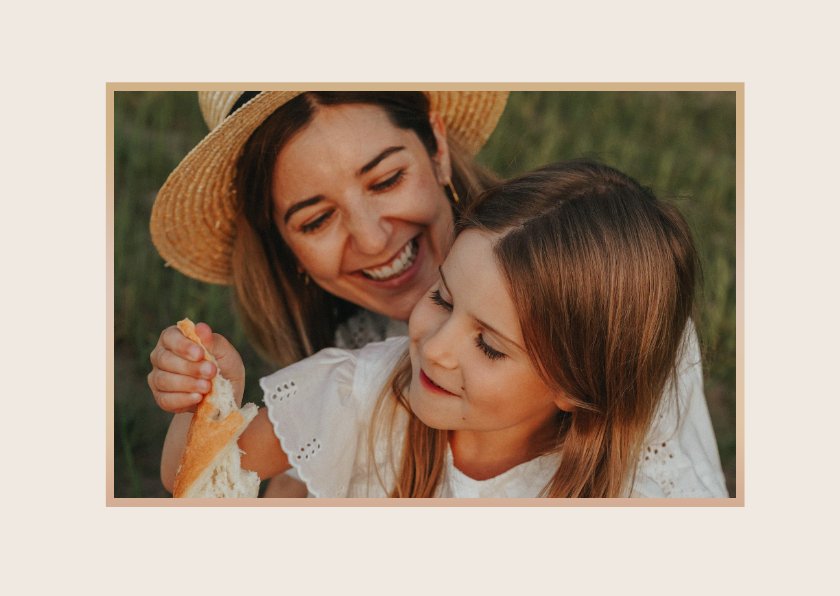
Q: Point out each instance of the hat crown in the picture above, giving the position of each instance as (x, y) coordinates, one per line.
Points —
(216, 105)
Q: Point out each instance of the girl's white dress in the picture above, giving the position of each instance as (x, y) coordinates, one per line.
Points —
(321, 410)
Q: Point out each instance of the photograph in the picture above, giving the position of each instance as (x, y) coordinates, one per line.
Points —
(500, 294)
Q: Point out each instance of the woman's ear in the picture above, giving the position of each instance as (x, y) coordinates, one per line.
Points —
(442, 161)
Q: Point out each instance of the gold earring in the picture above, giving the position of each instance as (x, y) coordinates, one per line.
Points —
(304, 275)
(453, 194)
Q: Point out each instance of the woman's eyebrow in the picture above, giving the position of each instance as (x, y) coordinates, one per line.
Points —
(301, 205)
(375, 161)
(363, 170)
(479, 321)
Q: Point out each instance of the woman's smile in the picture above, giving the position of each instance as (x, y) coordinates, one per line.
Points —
(397, 268)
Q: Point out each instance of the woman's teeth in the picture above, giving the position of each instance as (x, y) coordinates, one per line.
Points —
(401, 262)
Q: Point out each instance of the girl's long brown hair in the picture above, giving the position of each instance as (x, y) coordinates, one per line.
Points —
(603, 275)
(286, 318)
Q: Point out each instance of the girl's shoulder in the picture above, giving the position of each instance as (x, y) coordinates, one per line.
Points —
(340, 365)
(381, 356)
(320, 409)
(680, 456)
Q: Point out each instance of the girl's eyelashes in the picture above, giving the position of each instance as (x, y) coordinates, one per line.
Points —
(491, 353)
(438, 299)
(482, 345)
(316, 223)
(388, 182)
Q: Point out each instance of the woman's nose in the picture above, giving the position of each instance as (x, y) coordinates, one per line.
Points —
(370, 233)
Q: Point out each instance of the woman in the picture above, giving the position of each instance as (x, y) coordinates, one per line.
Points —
(346, 212)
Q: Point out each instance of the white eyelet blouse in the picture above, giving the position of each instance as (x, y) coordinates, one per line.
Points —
(321, 410)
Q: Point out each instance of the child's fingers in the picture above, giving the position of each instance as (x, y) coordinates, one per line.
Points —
(173, 340)
(178, 403)
(161, 381)
(168, 361)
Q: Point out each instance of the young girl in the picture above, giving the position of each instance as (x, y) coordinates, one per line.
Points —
(534, 367)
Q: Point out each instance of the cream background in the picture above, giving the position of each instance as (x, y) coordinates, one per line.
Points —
(58, 532)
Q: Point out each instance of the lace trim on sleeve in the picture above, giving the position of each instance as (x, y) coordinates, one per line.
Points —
(315, 418)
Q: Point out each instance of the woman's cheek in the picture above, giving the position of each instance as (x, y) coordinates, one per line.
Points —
(319, 256)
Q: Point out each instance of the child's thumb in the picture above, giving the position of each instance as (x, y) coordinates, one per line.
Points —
(205, 334)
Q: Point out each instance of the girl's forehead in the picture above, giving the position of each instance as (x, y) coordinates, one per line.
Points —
(475, 246)
(472, 274)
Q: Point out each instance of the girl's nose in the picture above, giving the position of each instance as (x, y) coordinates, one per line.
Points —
(438, 348)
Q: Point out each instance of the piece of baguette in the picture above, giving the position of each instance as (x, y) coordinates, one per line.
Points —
(210, 464)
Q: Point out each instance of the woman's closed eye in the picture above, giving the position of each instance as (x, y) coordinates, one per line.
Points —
(389, 182)
(317, 222)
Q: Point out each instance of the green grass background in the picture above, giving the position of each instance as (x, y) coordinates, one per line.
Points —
(682, 144)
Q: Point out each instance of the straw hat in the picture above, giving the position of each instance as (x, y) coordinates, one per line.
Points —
(193, 216)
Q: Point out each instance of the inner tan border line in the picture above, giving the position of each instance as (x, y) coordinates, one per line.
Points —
(525, 86)
(736, 501)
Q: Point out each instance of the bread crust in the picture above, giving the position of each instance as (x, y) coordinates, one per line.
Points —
(209, 433)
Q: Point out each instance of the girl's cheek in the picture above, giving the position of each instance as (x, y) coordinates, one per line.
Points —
(424, 319)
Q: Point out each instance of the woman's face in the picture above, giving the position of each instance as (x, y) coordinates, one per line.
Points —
(361, 204)
(470, 370)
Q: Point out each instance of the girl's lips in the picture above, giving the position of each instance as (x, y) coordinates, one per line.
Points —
(403, 278)
(431, 385)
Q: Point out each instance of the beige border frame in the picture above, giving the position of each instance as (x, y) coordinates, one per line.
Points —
(736, 501)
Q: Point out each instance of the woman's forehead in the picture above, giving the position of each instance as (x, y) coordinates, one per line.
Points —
(354, 123)
(344, 139)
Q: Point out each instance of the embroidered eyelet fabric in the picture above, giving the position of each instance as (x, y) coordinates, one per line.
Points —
(321, 409)
(680, 457)
(361, 329)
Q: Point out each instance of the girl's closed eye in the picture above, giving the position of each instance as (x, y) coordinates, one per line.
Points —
(490, 352)
(389, 182)
(436, 297)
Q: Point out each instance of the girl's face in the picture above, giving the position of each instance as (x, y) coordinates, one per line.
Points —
(361, 204)
(470, 371)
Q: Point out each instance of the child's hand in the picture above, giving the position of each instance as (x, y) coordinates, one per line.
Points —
(181, 376)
